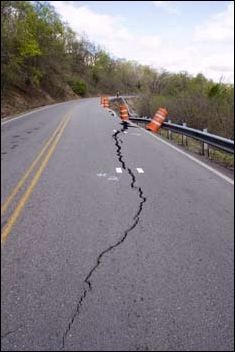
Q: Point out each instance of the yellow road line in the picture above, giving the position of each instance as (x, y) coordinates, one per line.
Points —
(13, 218)
(10, 198)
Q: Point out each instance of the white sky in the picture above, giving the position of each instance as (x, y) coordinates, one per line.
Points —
(192, 36)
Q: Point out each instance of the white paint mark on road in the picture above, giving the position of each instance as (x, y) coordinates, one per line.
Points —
(140, 170)
(102, 174)
(112, 178)
(109, 177)
(118, 170)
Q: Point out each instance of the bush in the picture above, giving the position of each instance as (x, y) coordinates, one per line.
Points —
(79, 87)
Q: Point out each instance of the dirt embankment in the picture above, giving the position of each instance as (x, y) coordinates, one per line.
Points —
(18, 100)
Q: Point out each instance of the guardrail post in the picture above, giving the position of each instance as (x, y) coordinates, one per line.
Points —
(169, 133)
(184, 138)
(205, 147)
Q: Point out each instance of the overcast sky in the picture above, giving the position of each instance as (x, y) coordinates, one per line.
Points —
(192, 36)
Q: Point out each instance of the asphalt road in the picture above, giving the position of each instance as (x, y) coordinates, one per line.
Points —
(112, 239)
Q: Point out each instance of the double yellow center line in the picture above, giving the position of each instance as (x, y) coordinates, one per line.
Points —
(53, 141)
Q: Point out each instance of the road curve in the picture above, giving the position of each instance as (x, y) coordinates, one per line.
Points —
(112, 239)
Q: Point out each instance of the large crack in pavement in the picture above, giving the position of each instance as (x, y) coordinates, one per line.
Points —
(143, 199)
(136, 218)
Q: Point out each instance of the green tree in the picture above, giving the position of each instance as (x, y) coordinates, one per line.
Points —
(18, 43)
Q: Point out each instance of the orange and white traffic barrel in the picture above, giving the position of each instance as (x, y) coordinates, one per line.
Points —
(104, 102)
(157, 120)
(123, 112)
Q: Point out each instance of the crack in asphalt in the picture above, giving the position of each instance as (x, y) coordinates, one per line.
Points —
(143, 199)
(11, 331)
(118, 141)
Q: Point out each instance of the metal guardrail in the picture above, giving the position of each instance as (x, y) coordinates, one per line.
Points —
(224, 144)
(218, 142)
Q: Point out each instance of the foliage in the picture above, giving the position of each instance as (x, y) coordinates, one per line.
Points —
(78, 87)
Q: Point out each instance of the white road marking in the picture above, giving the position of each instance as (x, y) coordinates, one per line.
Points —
(102, 174)
(112, 178)
(118, 171)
